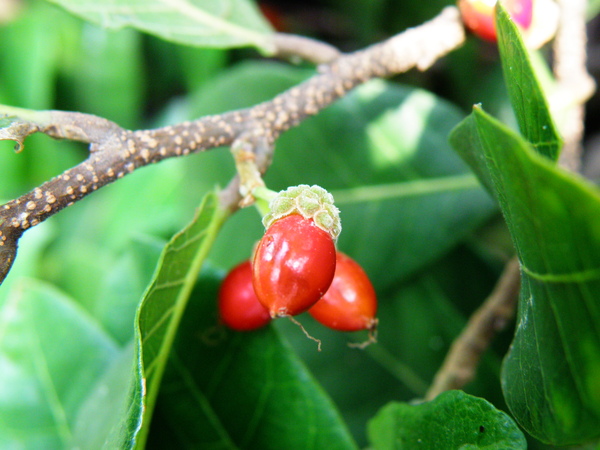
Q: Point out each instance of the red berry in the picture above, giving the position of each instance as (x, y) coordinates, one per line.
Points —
(274, 16)
(239, 308)
(350, 303)
(478, 15)
(521, 11)
(293, 265)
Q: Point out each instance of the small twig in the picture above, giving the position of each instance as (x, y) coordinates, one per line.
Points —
(574, 84)
(294, 46)
(229, 196)
(248, 151)
(493, 315)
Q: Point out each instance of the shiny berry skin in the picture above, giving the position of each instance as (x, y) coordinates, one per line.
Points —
(478, 15)
(293, 265)
(239, 308)
(350, 303)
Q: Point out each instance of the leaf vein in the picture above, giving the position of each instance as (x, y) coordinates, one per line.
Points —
(406, 189)
(157, 324)
(58, 412)
(581, 276)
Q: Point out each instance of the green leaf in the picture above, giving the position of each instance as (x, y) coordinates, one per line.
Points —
(164, 303)
(111, 415)
(550, 376)
(226, 389)
(30, 55)
(104, 63)
(120, 290)
(593, 8)
(526, 95)
(418, 322)
(204, 23)
(453, 420)
(51, 354)
(200, 65)
(465, 140)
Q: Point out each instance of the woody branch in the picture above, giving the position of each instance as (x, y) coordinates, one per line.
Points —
(116, 152)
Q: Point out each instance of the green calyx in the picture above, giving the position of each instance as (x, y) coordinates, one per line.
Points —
(311, 202)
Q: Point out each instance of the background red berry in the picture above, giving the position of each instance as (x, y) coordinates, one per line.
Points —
(478, 15)
(350, 303)
(293, 265)
(239, 308)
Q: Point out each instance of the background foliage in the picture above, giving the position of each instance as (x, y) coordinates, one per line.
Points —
(414, 215)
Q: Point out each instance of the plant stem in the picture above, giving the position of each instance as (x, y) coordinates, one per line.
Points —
(263, 196)
(460, 365)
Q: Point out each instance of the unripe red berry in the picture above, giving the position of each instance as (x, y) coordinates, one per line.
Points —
(293, 265)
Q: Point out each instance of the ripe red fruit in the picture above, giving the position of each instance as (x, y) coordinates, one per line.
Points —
(478, 15)
(293, 265)
(350, 303)
(239, 308)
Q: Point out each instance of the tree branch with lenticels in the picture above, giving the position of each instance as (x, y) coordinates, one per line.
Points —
(115, 152)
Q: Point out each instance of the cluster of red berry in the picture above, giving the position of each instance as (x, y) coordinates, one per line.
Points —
(296, 268)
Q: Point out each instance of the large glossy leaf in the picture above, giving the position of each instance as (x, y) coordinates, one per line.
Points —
(206, 23)
(418, 322)
(164, 302)
(405, 197)
(225, 389)
(453, 420)
(527, 98)
(123, 286)
(51, 355)
(550, 376)
(111, 415)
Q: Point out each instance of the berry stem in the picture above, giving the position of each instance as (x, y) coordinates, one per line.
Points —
(243, 151)
(371, 339)
(263, 196)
